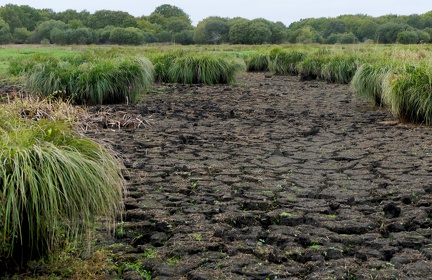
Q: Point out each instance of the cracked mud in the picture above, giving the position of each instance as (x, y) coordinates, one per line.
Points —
(273, 178)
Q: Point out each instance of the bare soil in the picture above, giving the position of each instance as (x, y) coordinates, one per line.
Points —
(272, 178)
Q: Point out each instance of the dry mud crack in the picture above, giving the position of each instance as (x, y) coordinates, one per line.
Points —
(274, 178)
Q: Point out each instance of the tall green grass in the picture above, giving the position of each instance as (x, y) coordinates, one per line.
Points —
(285, 62)
(408, 92)
(189, 68)
(204, 69)
(162, 63)
(311, 66)
(369, 79)
(257, 61)
(87, 78)
(54, 185)
(341, 68)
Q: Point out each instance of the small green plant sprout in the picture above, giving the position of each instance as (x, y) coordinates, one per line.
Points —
(138, 268)
(173, 260)
(149, 253)
(286, 214)
(261, 241)
(197, 236)
(315, 246)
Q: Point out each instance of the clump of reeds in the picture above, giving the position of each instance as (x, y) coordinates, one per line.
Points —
(257, 62)
(285, 62)
(408, 92)
(369, 79)
(54, 183)
(189, 68)
(340, 68)
(311, 66)
(162, 63)
(89, 79)
(204, 69)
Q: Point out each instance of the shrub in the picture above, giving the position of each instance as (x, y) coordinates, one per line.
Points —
(126, 36)
(54, 185)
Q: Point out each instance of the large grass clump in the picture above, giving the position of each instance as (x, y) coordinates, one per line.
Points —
(408, 92)
(257, 62)
(88, 78)
(189, 68)
(285, 62)
(311, 66)
(341, 68)
(369, 79)
(54, 184)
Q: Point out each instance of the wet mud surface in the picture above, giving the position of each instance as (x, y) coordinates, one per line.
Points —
(273, 178)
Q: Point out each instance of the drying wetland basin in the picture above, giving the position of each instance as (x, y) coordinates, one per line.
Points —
(272, 178)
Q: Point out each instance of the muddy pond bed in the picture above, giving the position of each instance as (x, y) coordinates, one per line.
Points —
(272, 178)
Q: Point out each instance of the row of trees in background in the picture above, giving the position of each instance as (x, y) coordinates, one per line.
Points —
(24, 24)
(388, 29)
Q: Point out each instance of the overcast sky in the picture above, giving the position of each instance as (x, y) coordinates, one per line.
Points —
(286, 11)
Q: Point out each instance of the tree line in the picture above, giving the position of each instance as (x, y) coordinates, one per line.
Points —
(26, 25)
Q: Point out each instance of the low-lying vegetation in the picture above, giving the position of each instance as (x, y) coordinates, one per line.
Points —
(189, 68)
(55, 184)
(86, 79)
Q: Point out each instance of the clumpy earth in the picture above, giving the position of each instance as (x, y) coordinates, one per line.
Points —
(272, 178)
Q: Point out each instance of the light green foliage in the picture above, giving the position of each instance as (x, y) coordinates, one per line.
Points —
(53, 184)
(408, 92)
(312, 65)
(285, 62)
(188, 68)
(340, 68)
(87, 78)
(257, 62)
(368, 81)
(204, 69)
